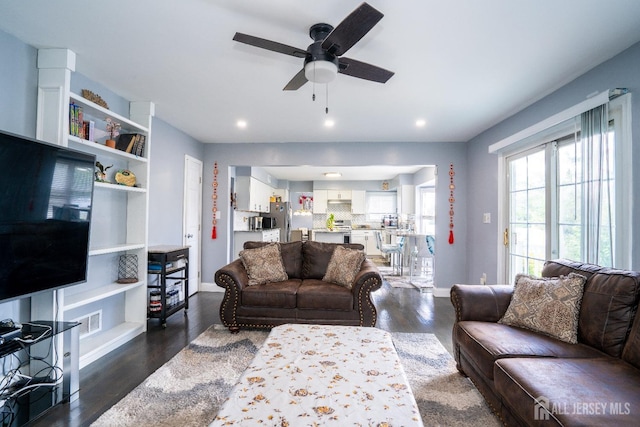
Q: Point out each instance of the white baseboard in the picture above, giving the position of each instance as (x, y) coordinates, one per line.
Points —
(210, 287)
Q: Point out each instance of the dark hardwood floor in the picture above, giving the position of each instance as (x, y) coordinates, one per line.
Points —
(105, 382)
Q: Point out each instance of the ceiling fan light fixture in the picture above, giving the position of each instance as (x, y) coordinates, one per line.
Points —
(320, 71)
(332, 174)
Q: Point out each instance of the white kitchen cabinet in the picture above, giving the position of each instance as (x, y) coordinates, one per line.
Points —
(329, 236)
(252, 194)
(320, 201)
(358, 202)
(339, 194)
(406, 199)
(366, 238)
(240, 237)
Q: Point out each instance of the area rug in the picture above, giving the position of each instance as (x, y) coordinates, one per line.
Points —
(189, 389)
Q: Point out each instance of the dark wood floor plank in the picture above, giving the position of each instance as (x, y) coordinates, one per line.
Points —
(106, 381)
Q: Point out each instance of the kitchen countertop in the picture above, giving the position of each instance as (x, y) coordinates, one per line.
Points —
(255, 231)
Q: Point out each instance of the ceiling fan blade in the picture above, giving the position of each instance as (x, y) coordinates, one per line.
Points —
(351, 29)
(297, 81)
(362, 70)
(269, 45)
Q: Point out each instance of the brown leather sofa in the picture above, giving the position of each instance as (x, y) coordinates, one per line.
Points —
(304, 297)
(519, 372)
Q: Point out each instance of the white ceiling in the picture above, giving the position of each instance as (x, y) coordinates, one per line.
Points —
(461, 65)
(347, 173)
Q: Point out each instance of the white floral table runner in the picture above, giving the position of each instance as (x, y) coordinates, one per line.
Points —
(310, 375)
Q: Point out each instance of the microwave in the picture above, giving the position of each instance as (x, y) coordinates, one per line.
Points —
(269, 223)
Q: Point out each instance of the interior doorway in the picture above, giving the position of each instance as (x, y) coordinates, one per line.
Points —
(192, 218)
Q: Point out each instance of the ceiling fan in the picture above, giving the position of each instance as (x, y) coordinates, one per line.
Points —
(323, 58)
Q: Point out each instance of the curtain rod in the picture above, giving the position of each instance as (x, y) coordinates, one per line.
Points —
(586, 105)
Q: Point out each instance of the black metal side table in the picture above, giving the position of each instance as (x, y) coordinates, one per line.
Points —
(168, 263)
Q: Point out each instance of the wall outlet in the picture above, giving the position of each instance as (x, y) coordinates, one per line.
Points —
(486, 218)
(483, 279)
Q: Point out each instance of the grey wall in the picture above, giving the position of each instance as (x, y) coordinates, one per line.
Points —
(18, 92)
(166, 188)
(621, 71)
(451, 259)
(18, 86)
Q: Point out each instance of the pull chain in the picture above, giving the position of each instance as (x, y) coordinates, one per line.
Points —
(326, 108)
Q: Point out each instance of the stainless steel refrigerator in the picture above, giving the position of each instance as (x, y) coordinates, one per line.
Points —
(281, 211)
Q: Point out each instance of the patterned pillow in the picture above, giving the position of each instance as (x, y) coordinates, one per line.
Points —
(344, 266)
(547, 305)
(264, 264)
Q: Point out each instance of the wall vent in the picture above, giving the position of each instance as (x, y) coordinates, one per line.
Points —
(90, 323)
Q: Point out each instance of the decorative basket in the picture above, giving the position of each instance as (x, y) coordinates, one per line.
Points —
(128, 269)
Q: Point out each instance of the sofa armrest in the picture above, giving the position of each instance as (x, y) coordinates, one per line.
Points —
(233, 277)
(481, 303)
(366, 281)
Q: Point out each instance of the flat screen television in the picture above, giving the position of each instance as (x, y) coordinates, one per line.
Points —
(46, 194)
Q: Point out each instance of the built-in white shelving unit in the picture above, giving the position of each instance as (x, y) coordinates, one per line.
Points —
(119, 222)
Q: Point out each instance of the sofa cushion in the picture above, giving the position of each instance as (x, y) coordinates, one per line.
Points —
(291, 256)
(485, 342)
(547, 305)
(264, 264)
(317, 294)
(596, 392)
(273, 294)
(316, 257)
(344, 266)
(608, 305)
(631, 352)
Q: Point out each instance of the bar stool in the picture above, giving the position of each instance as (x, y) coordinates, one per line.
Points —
(395, 251)
(422, 259)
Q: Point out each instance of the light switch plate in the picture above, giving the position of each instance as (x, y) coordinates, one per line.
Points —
(486, 218)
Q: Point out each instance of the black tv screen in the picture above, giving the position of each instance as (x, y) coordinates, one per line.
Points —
(46, 194)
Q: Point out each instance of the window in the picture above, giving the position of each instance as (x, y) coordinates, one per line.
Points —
(381, 203)
(427, 211)
(565, 196)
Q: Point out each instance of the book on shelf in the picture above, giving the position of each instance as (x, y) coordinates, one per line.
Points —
(132, 143)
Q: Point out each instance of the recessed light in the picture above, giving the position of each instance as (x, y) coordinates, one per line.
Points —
(241, 124)
(329, 123)
(332, 174)
(421, 123)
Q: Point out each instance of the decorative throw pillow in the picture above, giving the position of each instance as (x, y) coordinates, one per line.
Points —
(264, 264)
(547, 305)
(344, 266)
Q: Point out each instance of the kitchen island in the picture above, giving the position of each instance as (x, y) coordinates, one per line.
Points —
(328, 236)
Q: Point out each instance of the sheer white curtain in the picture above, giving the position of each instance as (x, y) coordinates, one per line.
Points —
(598, 169)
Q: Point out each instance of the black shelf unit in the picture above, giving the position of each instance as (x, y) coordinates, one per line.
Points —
(174, 266)
(33, 356)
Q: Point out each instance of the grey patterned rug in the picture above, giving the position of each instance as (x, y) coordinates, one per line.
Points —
(189, 389)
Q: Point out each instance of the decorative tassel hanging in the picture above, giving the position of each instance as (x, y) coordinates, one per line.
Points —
(214, 210)
(451, 201)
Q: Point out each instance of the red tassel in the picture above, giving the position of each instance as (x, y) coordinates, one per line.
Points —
(213, 233)
(451, 237)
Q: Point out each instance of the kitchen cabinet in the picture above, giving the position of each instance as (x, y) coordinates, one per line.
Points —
(366, 238)
(320, 201)
(406, 200)
(358, 202)
(339, 194)
(252, 194)
(272, 235)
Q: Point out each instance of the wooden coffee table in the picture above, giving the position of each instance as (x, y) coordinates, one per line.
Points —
(322, 374)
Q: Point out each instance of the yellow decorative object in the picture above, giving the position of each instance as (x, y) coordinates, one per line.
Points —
(126, 177)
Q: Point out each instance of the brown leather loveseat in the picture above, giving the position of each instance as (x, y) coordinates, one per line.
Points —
(533, 379)
(304, 297)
